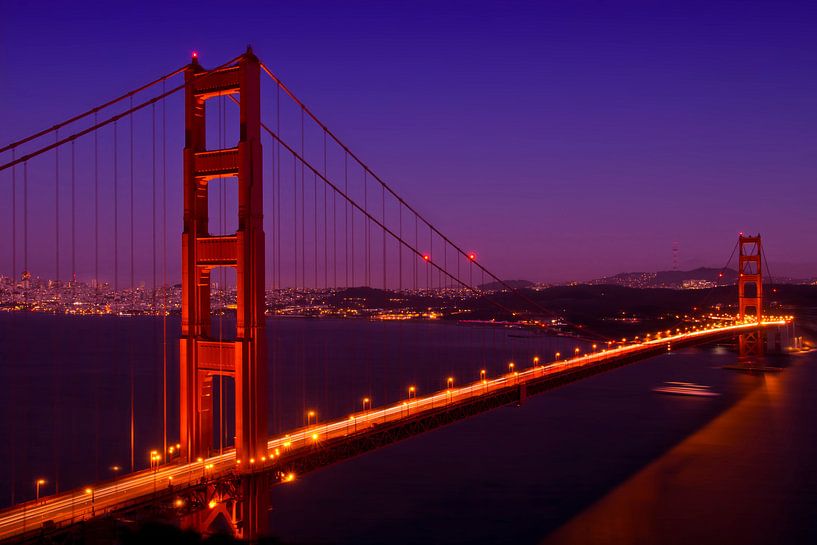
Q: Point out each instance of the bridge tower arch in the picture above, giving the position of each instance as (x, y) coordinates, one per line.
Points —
(201, 356)
(750, 292)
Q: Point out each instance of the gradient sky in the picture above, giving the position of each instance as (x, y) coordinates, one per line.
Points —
(561, 140)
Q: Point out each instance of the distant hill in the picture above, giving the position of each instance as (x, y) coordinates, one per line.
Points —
(515, 284)
(701, 277)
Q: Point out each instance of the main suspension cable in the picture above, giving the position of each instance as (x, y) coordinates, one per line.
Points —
(112, 119)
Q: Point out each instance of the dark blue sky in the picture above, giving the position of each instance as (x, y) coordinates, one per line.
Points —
(559, 139)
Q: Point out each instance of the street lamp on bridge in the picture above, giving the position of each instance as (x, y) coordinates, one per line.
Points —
(155, 458)
(90, 492)
(37, 484)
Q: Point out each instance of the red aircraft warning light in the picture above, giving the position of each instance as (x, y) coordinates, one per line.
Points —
(472, 256)
(426, 257)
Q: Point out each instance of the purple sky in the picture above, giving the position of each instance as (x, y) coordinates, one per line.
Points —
(560, 140)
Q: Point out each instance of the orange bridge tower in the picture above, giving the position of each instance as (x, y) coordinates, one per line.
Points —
(750, 292)
(201, 356)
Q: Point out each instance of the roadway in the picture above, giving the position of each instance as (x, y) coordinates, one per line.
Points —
(84, 503)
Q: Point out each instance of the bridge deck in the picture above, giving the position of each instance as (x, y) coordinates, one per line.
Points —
(84, 503)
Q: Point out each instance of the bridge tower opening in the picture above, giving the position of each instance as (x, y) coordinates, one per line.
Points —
(202, 357)
(750, 292)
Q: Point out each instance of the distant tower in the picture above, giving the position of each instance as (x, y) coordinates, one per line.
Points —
(675, 255)
(750, 292)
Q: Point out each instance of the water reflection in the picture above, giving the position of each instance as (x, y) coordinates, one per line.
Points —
(731, 481)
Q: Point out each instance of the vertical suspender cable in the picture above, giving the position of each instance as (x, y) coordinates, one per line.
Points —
(274, 170)
(383, 233)
(303, 206)
(325, 237)
(445, 263)
(25, 228)
(271, 269)
(164, 270)
(366, 257)
(295, 220)
(400, 248)
(57, 211)
(429, 268)
(325, 224)
(457, 258)
(13, 420)
(97, 387)
(96, 214)
(352, 241)
(315, 218)
(73, 215)
(115, 212)
(153, 236)
(346, 217)
(13, 236)
(416, 245)
(133, 300)
(278, 188)
(132, 276)
(153, 203)
(56, 382)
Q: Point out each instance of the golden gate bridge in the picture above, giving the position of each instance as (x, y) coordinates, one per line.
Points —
(270, 197)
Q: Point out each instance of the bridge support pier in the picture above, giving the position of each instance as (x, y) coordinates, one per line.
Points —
(240, 510)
